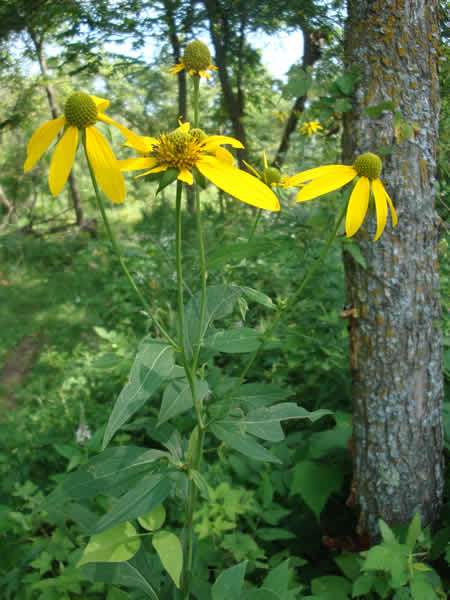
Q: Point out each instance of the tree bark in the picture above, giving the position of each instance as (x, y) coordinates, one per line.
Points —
(234, 103)
(311, 54)
(39, 47)
(395, 338)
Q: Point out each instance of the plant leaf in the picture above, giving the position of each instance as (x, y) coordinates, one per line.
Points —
(153, 363)
(151, 491)
(154, 519)
(229, 433)
(117, 544)
(170, 552)
(234, 341)
(315, 483)
(177, 398)
(228, 586)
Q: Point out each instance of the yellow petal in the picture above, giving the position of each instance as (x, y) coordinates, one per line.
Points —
(237, 183)
(357, 206)
(392, 207)
(327, 183)
(380, 206)
(224, 156)
(41, 140)
(213, 68)
(127, 133)
(100, 103)
(104, 165)
(213, 141)
(141, 143)
(176, 68)
(159, 169)
(62, 160)
(186, 176)
(135, 164)
(311, 174)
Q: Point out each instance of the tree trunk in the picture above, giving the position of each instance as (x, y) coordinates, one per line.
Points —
(76, 199)
(395, 338)
(312, 45)
(234, 103)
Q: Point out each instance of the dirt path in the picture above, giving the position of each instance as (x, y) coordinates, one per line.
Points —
(18, 363)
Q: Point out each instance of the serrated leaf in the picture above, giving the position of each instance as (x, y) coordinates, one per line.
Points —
(414, 531)
(355, 252)
(234, 341)
(153, 363)
(230, 582)
(154, 519)
(177, 398)
(331, 587)
(220, 302)
(149, 493)
(363, 584)
(117, 544)
(229, 433)
(315, 483)
(170, 552)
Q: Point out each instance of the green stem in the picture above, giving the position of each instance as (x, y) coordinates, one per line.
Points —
(255, 224)
(203, 278)
(196, 80)
(294, 298)
(118, 253)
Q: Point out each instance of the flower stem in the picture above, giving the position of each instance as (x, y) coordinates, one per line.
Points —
(196, 80)
(294, 298)
(255, 224)
(118, 253)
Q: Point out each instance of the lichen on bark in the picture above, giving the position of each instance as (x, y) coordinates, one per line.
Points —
(395, 343)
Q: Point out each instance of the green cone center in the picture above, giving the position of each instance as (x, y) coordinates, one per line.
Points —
(368, 165)
(196, 56)
(271, 175)
(80, 110)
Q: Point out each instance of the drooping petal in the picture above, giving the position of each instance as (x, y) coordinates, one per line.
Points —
(101, 103)
(224, 156)
(62, 160)
(357, 206)
(176, 68)
(380, 206)
(333, 180)
(127, 133)
(213, 141)
(105, 166)
(394, 217)
(159, 169)
(136, 164)
(315, 173)
(141, 143)
(41, 140)
(237, 183)
(186, 176)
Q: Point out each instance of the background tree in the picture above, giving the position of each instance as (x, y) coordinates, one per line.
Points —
(395, 341)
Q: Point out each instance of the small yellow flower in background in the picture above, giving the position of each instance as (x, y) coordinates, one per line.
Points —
(186, 149)
(196, 60)
(81, 112)
(310, 127)
(367, 167)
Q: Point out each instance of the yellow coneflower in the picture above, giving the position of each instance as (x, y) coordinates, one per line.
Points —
(328, 178)
(187, 150)
(196, 60)
(81, 113)
(310, 127)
